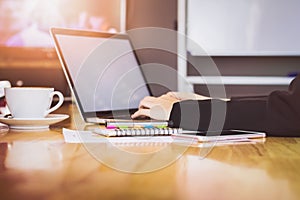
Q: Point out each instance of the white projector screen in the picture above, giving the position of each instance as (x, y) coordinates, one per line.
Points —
(243, 27)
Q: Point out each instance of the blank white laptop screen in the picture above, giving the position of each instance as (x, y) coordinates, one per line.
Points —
(104, 72)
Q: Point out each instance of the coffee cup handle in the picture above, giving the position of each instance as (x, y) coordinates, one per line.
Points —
(3, 84)
(59, 103)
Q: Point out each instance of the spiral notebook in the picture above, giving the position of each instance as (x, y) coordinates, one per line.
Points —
(138, 131)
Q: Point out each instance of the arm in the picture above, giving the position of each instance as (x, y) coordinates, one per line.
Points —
(283, 111)
(278, 114)
(246, 114)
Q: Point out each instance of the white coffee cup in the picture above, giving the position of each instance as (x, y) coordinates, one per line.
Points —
(31, 102)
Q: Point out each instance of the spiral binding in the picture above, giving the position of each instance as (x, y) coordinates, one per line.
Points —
(138, 131)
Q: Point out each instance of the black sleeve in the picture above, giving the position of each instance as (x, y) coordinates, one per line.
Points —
(277, 114)
(283, 111)
(246, 114)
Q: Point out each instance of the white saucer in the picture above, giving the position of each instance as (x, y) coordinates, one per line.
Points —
(33, 123)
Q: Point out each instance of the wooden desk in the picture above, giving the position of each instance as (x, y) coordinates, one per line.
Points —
(39, 165)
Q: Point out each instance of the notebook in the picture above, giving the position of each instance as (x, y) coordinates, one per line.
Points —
(138, 131)
(103, 73)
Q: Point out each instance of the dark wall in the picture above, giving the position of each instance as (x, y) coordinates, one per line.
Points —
(153, 13)
(162, 14)
(32, 67)
(46, 77)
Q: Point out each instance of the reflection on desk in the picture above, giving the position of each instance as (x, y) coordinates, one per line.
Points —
(40, 165)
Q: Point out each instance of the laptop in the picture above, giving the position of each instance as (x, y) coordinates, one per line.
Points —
(103, 73)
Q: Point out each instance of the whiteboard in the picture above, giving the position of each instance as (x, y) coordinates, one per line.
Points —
(243, 27)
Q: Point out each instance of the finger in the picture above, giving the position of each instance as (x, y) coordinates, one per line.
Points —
(141, 112)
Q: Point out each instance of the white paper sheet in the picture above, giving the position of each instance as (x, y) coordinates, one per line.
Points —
(76, 136)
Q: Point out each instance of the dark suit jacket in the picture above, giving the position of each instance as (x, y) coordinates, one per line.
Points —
(278, 114)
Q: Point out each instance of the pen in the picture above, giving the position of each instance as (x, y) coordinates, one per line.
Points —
(126, 127)
(130, 124)
(111, 127)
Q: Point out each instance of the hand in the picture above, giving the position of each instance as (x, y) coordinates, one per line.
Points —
(160, 107)
(156, 107)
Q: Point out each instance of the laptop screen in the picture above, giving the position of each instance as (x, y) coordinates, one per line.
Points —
(102, 70)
